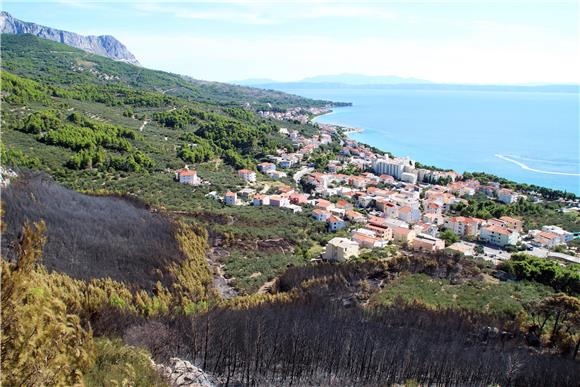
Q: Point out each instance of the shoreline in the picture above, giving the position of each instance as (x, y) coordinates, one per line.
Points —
(343, 128)
(346, 130)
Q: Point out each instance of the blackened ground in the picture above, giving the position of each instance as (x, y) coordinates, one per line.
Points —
(92, 236)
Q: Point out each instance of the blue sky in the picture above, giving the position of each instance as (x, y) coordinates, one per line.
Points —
(455, 41)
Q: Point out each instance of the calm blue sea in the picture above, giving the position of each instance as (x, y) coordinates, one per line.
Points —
(526, 137)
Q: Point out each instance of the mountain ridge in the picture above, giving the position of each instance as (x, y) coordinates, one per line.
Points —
(103, 45)
(349, 79)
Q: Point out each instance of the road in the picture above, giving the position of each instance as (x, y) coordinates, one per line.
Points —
(298, 175)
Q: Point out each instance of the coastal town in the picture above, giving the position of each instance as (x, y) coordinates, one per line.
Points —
(370, 200)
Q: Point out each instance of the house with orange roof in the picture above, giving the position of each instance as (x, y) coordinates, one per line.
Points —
(367, 241)
(187, 176)
(409, 214)
(279, 201)
(247, 175)
(335, 223)
(355, 217)
(382, 232)
(513, 223)
(343, 204)
(231, 198)
(261, 200)
(387, 179)
(433, 208)
(391, 210)
(464, 226)
(547, 239)
(435, 219)
(321, 215)
(266, 167)
(298, 199)
(428, 243)
(403, 234)
(324, 204)
(499, 236)
(286, 191)
(379, 192)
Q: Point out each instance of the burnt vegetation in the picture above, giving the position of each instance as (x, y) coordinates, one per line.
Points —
(314, 339)
(92, 236)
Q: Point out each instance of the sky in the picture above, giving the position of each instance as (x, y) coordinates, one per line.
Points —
(457, 41)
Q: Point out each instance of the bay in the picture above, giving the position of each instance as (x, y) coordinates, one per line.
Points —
(528, 137)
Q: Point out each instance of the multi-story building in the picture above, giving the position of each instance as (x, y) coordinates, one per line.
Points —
(187, 176)
(247, 175)
(340, 249)
(566, 236)
(464, 226)
(320, 214)
(266, 167)
(279, 201)
(425, 242)
(231, 198)
(409, 214)
(499, 236)
(261, 200)
(368, 241)
(514, 224)
(507, 196)
(335, 223)
(409, 177)
(389, 167)
(548, 239)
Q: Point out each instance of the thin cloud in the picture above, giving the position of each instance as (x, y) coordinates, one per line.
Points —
(266, 12)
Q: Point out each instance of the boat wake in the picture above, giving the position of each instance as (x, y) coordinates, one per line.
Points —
(528, 168)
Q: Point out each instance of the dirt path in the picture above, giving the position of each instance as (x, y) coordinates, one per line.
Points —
(220, 282)
(143, 125)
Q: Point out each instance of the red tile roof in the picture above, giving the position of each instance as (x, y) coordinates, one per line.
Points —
(186, 172)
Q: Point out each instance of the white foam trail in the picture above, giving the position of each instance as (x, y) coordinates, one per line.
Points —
(527, 168)
(543, 161)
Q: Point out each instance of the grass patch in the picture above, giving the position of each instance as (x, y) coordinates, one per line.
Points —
(251, 269)
(503, 299)
(117, 364)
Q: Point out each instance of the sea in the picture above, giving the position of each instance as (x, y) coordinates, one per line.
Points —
(527, 137)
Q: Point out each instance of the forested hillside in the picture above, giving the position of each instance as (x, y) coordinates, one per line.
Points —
(57, 64)
(108, 262)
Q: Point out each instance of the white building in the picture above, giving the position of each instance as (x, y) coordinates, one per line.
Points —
(498, 236)
(566, 236)
(231, 198)
(409, 177)
(507, 196)
(340, 249)
(247, 175)
(394, 167)
(187, 176)
(388, 167)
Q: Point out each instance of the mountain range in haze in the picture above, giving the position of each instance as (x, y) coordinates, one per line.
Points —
(360, 81)
(340, 79)
(104, 45)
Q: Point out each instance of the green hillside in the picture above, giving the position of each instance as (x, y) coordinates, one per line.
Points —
(57, 64)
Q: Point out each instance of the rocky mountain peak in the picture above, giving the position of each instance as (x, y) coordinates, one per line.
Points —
(104, 45)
